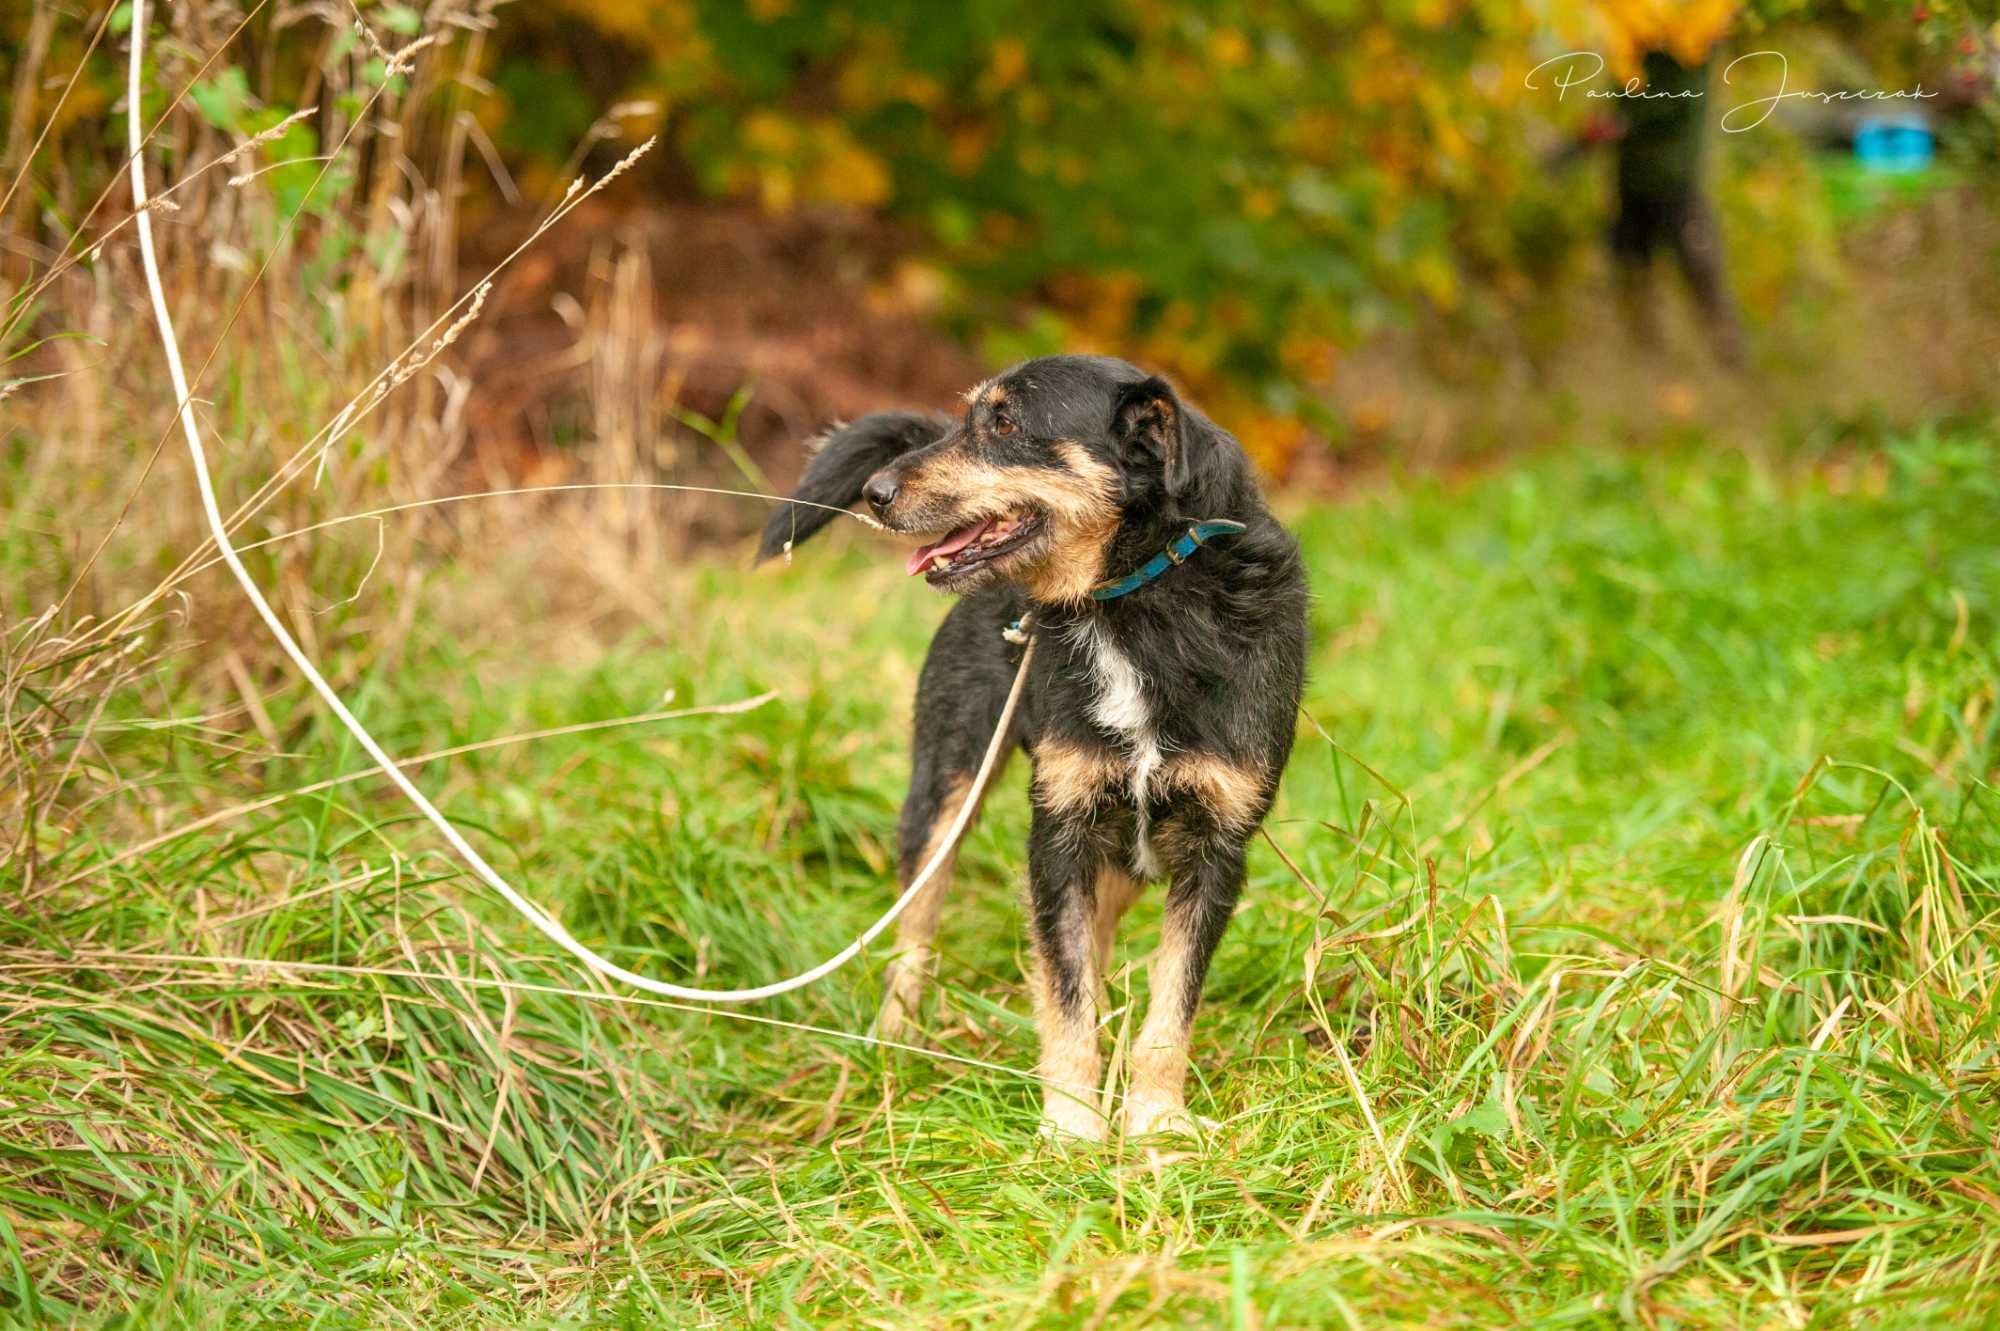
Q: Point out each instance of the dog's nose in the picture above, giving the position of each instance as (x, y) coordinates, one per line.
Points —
(881, 491)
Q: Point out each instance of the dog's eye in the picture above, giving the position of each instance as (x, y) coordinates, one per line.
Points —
(1003, 426)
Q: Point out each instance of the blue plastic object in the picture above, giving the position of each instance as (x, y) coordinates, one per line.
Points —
(1894, 144)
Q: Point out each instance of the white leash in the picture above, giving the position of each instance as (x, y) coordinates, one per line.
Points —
(535, 915)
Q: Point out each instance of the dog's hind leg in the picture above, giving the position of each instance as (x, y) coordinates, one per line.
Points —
(928, 813)
(960, 695)
(1116, 891)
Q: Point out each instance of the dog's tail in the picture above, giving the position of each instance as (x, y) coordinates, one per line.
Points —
(846, 458)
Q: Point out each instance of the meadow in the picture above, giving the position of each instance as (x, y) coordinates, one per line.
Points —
(1624, 947)
(1623, 951)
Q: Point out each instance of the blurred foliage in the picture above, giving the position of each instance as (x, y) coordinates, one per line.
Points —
(1232, 190)
(1235, 191)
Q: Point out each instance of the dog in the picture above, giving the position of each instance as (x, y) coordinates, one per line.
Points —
(1084, 495)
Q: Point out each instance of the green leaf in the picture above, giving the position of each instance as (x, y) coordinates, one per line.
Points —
(1488, 1120)
(224, 100)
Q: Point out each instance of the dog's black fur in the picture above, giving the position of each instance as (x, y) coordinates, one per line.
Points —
(1158, 722)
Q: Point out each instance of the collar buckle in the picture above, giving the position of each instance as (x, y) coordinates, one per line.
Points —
(1176, 554)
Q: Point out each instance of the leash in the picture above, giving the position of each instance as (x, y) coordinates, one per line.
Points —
(549, 927)
(1173, 556)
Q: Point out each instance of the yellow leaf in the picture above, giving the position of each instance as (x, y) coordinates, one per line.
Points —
(845, 172)
(1008, 62)
(1230, 48)
(766, 131)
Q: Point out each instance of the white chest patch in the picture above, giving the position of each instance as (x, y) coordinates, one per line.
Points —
(1121, 707)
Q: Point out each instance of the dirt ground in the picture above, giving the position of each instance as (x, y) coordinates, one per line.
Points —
(696, 303)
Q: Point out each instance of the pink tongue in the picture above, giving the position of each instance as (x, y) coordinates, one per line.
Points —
(950, 545)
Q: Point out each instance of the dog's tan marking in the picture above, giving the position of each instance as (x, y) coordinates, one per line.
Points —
(1071, 777)
(910, 971)
(1074, 562)
(963, 489)
(1233, 793)
(1070, 1065)
(1079, 500)
(1079, 493)
(1155, 1100)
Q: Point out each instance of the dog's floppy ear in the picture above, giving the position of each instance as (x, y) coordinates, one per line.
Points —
(1150, 417)
(841, 464)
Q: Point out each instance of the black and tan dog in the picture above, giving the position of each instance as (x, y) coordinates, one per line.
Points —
(1169, 607)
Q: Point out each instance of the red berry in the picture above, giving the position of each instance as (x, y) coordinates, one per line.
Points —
(1967, 46)
(1921, 14)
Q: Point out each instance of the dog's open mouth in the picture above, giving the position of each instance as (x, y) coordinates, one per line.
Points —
(976, 543)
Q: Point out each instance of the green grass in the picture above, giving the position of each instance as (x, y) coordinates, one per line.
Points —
(1638, 965)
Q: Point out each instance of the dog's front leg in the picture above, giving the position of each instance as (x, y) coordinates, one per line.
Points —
(1062, 875)
(1207, 879)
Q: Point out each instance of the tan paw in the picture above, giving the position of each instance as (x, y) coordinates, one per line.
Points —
(1065, 1118)
(1146, 1116)
(901, 1001)
(892, 1019)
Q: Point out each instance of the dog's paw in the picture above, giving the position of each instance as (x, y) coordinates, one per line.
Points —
(895, 1017)
(902, 999)
(1066, 1120)
(1148, 1116)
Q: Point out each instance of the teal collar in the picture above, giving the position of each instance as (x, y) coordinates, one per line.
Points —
(1183, 545)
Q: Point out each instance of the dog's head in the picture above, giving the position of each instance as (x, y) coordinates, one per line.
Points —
(1050, 462)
